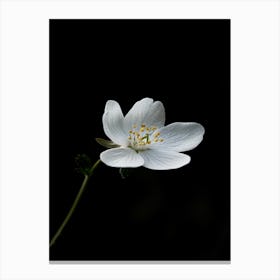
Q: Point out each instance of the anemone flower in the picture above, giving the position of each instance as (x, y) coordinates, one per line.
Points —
(141, 139)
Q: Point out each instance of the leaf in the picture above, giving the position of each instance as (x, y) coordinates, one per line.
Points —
(125, 172)
(83, 163)
(106, 143)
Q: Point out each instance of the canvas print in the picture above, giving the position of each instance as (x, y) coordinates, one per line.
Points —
(139, 140)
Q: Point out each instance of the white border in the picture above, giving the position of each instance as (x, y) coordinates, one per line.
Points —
(24, 138)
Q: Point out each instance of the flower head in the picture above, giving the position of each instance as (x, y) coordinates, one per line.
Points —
(143, 140)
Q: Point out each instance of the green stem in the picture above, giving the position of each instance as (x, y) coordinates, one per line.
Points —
(76, 201)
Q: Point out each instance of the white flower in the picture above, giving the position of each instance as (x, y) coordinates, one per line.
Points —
(141, 139)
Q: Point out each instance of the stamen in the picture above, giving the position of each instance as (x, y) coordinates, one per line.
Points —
(143, 136)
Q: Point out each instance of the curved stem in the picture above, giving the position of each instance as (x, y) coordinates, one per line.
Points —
(76, 201)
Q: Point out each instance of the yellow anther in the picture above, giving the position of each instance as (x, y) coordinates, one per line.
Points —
(143, 136)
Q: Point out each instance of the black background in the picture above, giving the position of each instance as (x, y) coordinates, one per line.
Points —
(181, 214)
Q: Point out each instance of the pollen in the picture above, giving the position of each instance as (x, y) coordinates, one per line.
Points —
(141, 136)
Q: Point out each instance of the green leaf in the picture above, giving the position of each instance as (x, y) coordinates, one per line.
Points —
(125, 172)
(106, 143)
(83, 163)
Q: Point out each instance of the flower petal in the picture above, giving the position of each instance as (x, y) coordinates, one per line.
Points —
(121, 157)
(179, 137)
(113, 122)
(137, 113)
(164, 160)
(156, 115)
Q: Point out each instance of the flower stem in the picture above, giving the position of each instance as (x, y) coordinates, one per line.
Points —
(75, 203)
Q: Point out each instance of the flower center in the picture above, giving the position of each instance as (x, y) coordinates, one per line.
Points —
(140, 137)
